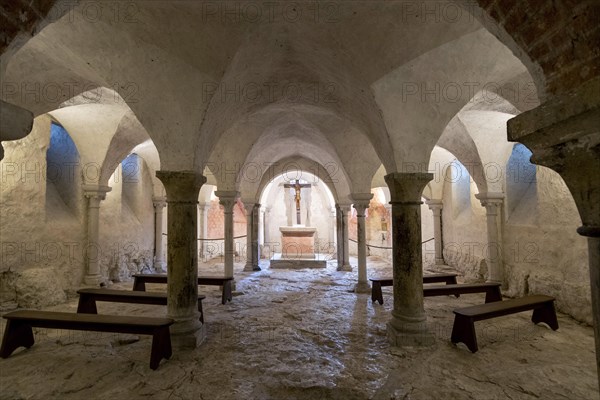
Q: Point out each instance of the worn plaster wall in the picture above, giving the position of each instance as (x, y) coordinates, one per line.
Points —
(379, 228)
(43, 222)
(127, 222)
(463, 225)
(541, 251)
(216, 230)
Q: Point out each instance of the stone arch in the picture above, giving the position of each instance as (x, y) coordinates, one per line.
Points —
(147, 150)
(338, 188)
(277, 132)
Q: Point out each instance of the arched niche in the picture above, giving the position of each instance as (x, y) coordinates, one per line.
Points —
(63, 175)
(521, 186)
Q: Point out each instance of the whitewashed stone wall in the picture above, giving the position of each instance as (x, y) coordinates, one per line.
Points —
(542, 253)
(43, 236)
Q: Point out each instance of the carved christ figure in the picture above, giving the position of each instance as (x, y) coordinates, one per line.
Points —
(297, 188)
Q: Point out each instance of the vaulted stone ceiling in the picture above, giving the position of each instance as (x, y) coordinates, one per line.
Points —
(342, 82)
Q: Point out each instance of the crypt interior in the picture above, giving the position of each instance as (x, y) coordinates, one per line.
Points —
(302, 149)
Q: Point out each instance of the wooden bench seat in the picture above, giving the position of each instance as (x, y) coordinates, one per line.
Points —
(491, 290)
(140, 280)
(19, 330)
(89, 297)
(465, 318)
(378, 282)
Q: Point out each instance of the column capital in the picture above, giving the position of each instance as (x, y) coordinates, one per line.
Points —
(361, 202)
(159, 202)
(360, 208)
(96, 191)
(435, 204)
(181, 186)
(407, 188)
(345, 208)
(250, 205)
(490, 200)
(227, 198)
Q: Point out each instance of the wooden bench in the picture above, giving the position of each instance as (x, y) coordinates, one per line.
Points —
(19, 331)
(378, 283)
(464, 319)
(89, 297)
(491, 290)
(140, 280)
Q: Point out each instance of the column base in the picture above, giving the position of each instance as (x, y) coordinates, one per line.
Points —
(256, 268)
(188, 334)
(406, 331)
(94, 280)
(248, 267)
(345, 267)
(362, 287)
(160, 266)
(439, 261)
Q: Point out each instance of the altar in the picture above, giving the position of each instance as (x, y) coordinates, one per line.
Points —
(298, 249)
(298, 241)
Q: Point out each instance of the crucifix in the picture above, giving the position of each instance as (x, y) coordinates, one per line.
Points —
(297, 187)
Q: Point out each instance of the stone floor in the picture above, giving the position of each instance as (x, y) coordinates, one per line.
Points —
(301, 334)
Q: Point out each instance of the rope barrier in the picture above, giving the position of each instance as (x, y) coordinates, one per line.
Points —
(235, 237)
(352, 240)
(387, 248)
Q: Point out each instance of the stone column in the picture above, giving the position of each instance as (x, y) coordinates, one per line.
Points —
(228, 200)
(261, 224)
(436, 206)
(266, 234)
(267, 245)
(252, 224)
(388, 235)
(255, 241)
(182, 189)
(249, 206)
(361, 203)
(339, 237)
(94, 194)
(343, 248)
(159, 257)
(332, 231)
(563, 134)
(492, 203)
(202, 228)
(408, 326)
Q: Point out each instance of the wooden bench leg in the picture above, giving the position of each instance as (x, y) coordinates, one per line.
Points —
(452, 281)
(161, 347)
(493, 294)
(376, 294)
(86, 305)
(200, 311)
(547, 314)
(139, 285)
(16, 334)
(226, 295)
(464, 331)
